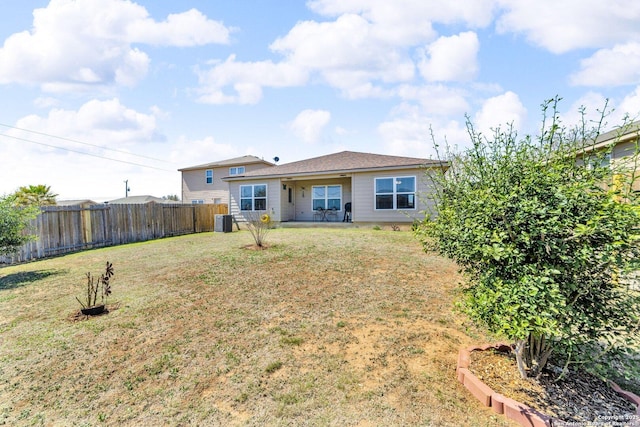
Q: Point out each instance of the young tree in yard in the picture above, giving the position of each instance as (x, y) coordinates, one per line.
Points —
(543, 228)
(14, 220)
(258, 225)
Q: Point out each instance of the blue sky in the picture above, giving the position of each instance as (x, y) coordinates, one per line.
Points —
(96, 93)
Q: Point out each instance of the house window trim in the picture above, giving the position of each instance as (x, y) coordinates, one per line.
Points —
(326, 197)
(235, 170)
(395, 193)
(253, 197)
(208, 172)
(197, 202)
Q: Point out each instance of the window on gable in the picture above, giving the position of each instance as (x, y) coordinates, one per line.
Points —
(326, 196)
(209, 176)
(239, 170)
(395, 193)
(253, 197)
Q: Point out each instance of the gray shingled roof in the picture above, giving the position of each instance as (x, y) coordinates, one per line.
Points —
(619, 134)
(343, 162)
(244, 160)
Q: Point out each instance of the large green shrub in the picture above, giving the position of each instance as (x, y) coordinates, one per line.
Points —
(14, 222)
(543, 229)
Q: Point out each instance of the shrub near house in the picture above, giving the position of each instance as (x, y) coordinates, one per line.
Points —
(541, 240)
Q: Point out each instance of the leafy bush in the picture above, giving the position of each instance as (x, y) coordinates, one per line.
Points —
(14, 224)
(543, 229)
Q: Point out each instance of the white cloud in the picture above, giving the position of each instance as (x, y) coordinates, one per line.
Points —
(78, 44)
(308, 124)
(246, 79)
(561, 26)
(592, 104)
(409, 21)
(499, 112)
(190, 28)
(107, 122)
(453, 58)
(619, 65)
(364, 50)
(46, 102)
(346, 52)
(89, 152)
(190, 152)
(411, 135)
(436, 100)
(630, 105)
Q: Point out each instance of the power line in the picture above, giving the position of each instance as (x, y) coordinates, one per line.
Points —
(84, 153)
(80, 142)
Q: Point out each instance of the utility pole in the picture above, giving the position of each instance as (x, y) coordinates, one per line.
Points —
(126, 188)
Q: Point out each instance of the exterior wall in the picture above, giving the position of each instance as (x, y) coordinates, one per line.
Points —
(359, 190)
(364, 197)
(304, 200)
(195, 187)
(622, 156)
(274, 208)
(278, 197)
(624, 149)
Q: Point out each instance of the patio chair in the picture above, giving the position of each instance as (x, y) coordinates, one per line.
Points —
(347, 212)
(332, 214)
(318, 214)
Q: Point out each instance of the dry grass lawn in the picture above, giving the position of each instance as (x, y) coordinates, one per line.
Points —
(327, 327)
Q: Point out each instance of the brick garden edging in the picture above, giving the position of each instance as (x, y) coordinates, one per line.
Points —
(516, 411)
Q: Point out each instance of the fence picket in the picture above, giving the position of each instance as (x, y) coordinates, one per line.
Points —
(64, 229)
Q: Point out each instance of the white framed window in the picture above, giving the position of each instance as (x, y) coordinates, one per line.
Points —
(209, 176)
(197, 202)
(236, 170)
(326, 197)
(395, 193)
(253, 197)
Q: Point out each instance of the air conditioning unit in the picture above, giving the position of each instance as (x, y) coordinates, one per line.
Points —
(223, 224)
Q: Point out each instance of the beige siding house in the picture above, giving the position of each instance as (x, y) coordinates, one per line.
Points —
(204, 184)
(619, 147)
(377, 188)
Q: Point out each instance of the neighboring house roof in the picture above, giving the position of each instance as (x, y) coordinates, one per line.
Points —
(616, 136)
(343, 162)
(139, 199)
(75, 202)
(244, 160)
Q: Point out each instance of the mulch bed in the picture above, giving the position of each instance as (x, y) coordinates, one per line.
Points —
(577, 397)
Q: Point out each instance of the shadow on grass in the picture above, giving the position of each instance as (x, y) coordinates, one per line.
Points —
(17, 280)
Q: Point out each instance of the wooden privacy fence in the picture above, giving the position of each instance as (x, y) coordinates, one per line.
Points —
(64, 229)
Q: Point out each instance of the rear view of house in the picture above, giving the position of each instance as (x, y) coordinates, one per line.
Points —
(367, 187)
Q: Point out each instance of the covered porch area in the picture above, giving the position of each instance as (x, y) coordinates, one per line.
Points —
(326, 200)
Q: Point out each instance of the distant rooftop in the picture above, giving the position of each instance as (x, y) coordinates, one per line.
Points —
(139, 200)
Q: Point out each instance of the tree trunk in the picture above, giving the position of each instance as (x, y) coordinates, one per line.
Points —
(532, 355)
(520, 347)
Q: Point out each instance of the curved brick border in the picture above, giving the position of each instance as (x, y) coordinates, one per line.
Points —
(516, 411)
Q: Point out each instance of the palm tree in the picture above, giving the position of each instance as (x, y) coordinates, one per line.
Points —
(35, 195)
